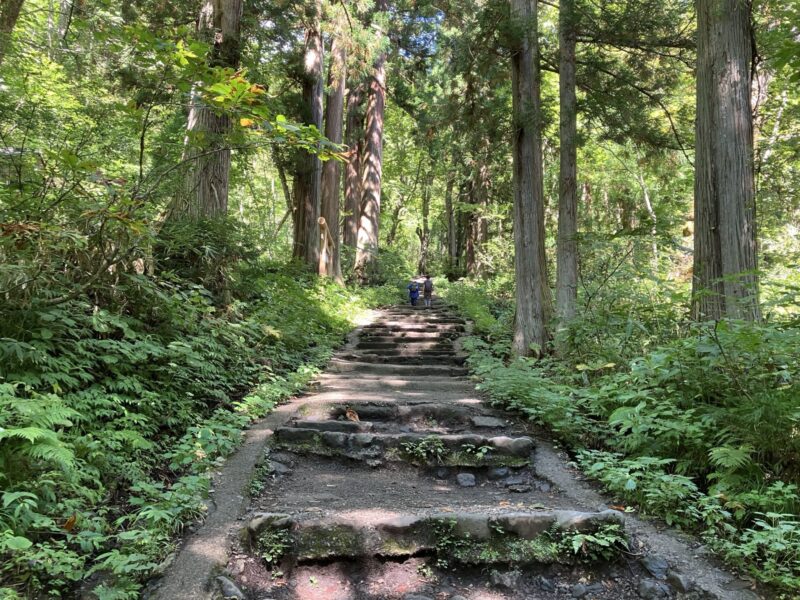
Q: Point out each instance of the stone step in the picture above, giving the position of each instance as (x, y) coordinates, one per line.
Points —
(401, 413)
(410, 350)
(422, 449)
(357, 382)
(408, 325)
(422, 344)
(407, 308)
(420, 312)
(468, 538)
(404, 359)
(419, 321)
(344, 366)
(408, 337)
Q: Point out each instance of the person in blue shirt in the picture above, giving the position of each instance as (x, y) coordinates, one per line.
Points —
(413, 292)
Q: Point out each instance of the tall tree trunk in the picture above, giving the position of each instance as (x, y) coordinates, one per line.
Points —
(724, 283)
(424, 232)
(331, 171)
(352, 169)
(532, 292)
(398, 207)
(9, 13)
(452, 233)
(567, 243)
(369, 221)
(207, 152)
(478, 231)
(308, 178)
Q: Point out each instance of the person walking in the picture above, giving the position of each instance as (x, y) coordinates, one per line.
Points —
(427, 290)
(413, 292)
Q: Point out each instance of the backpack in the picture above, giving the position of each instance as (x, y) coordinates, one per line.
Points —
(414, 287)
(428, 285)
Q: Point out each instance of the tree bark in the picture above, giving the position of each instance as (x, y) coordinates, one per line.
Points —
(308, 176)
(207, 151)
(331, 171)
(530, 266)
(567, 243)
(352, 173)
(452, 233)
(9, 13)
(725, 257)
(424, 232)
(369, 221)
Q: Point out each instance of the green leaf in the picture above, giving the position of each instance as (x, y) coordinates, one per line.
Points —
(16, 542)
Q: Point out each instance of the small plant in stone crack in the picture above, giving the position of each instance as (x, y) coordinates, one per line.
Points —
(425, 571)
(427, 450)
(273, 544)
(448, 545)
(477, 451)
(604, 544)
(259, 477)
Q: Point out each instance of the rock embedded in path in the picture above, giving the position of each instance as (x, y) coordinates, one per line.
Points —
(466, 479)
(262, 521)
(496, 473)
(521, 446)
(473, 526)
(656, 566)
(489, 422)
(527, 526)
(521, 488)
(229, 589)
(680, 582)
(278, 468)
(650, 589)
(508, 580)
(283, 457)
(545, 584)
(581, 590)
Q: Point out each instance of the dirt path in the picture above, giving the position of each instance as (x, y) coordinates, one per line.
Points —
(392, 480)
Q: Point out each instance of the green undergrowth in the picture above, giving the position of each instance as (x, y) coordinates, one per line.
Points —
(114, 409)
(552, 546)
(695, 423)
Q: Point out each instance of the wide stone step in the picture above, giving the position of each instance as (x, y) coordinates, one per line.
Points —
(401, 413)
(467, 450)
(355, 381)
(404, 326)
(469, 538)
(421, 344)
(419, 321)
(343, 366)
(412, 350)
(408, 337)
(421, 313)
(405, 359)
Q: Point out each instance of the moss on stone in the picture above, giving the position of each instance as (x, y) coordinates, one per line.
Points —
(470, 459)
(326, 541)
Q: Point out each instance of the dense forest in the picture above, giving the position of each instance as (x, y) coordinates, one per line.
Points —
(199, 199)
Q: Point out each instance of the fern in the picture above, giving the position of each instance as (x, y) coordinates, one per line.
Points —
(731, 459)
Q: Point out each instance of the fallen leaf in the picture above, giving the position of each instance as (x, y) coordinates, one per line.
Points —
(69, 524)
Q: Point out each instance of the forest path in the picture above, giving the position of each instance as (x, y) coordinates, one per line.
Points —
(391, 467)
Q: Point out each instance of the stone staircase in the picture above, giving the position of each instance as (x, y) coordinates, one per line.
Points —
(394, 481)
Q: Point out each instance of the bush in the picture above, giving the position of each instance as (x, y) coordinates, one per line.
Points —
(697, 426)
(114, 408)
